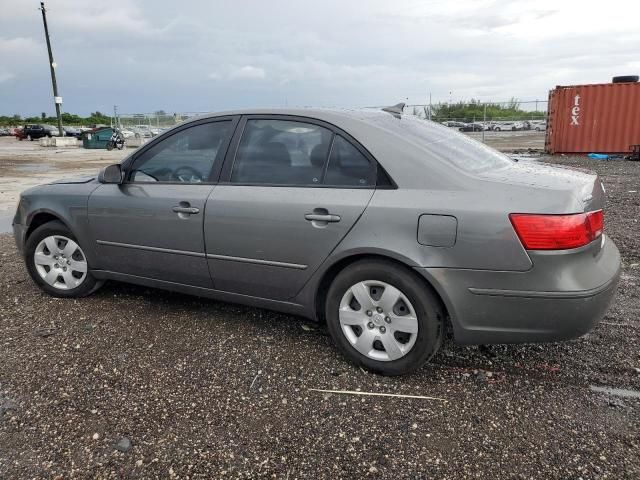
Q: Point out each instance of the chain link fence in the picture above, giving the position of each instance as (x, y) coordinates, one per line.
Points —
(157, 120)
(511, 115)
(483, 120)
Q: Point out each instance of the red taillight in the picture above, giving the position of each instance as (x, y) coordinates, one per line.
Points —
(557, 232)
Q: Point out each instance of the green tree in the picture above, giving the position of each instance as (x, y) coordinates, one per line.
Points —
(475, 111)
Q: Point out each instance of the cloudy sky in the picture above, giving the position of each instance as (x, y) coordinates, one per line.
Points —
(203, 55)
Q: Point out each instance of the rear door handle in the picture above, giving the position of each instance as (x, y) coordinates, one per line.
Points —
(314, 217)
(187, 210)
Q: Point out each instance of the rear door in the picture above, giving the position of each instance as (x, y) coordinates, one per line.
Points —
(282, 206)
(151, 225)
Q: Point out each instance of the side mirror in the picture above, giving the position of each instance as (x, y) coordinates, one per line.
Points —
(111, 174)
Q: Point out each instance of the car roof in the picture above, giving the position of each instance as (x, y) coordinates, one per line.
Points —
(327, 114)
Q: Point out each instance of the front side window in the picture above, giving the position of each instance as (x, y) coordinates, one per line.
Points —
(281, 152)
(187, 156)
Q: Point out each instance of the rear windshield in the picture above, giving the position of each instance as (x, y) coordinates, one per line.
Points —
(444, 143)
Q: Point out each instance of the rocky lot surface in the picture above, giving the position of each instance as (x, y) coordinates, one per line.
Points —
(140, 383)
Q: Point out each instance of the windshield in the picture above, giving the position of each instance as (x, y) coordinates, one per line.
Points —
(444, 144)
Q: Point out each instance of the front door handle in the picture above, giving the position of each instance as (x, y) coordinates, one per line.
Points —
(183, 209)
(314, 217)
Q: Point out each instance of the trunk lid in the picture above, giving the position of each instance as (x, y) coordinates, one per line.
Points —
(586, 188)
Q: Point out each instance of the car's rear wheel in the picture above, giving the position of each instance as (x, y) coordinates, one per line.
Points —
(57, 263)
(383, 317)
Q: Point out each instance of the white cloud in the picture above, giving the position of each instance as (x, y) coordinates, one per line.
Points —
(247, 72)
(17, 45)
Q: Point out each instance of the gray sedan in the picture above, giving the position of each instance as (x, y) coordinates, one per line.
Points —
(389, 228)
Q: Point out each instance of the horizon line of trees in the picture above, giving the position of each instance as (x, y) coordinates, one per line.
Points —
(474, 111)
(68, 119)
(471, 111)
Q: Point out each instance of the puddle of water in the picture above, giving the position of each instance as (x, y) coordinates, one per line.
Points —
(616, 392)
(5, 223)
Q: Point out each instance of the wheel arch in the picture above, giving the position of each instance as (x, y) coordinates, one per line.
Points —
(329, 274)
(40, 217)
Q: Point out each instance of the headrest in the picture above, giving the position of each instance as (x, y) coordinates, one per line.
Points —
(318, 155)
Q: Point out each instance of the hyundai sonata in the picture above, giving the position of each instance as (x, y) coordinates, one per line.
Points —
(387, 227)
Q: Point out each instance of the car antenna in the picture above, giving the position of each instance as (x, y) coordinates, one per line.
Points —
(395, 110)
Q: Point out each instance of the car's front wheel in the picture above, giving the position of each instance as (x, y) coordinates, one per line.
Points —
(57, 263)
(383, 317)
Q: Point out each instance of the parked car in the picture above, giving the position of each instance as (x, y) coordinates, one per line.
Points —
(35, 131)
(4, 132)
(389, 228)
(472, 127)
(508, 126)
(453, 124)
(538, 125)
(141, 132)
(126, 133)
(71, 132)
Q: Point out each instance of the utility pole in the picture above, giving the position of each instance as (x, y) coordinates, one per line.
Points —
(52, 65)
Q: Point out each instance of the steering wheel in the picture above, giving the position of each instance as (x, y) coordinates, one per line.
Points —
(187, 174)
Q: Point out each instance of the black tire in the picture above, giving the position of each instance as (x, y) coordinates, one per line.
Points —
(626, 79)
(425, 302)
(88, 286)
(109, 146)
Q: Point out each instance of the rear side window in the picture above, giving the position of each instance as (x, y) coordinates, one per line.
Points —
(281, 152)
(348, 167)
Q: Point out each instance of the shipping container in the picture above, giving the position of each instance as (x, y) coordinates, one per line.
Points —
(600, 118)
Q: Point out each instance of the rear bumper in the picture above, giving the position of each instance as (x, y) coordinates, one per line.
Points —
(563, 296)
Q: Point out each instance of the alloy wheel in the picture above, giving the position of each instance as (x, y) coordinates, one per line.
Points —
(378, 320)
(60, 262)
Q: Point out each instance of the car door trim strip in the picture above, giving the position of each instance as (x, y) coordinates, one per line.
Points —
(151, 249)
(571, 294)
(257, 261)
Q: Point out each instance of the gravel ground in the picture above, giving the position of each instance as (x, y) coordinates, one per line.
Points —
(24, 164)
(192, 388)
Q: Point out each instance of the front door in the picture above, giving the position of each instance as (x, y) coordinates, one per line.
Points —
(283, 207)
(151, 225)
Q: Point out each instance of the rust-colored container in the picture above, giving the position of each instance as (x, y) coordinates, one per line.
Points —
(601, 118)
